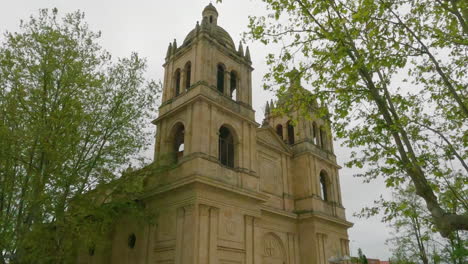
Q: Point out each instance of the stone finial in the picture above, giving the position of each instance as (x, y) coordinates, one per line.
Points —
(240, 51)
(267, 108)
(169, 51)
(247, 54)
(295, 77)
(272, 105)
(174, 46)
(197, 27)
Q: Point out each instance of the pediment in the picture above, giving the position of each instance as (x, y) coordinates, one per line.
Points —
(268, 135)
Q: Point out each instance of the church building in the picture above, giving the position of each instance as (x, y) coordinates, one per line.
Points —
(237, 192)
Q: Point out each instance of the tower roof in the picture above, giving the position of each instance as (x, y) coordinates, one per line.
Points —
(210, 7)
(211, 26)
(217, 33)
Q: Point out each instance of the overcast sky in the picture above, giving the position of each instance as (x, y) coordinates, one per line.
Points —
(147, 27)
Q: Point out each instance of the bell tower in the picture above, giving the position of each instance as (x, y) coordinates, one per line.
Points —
(206, 118)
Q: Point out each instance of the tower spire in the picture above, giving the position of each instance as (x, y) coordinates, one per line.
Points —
(247, 54)
(240, 51)
(174, 46)
(169, 51)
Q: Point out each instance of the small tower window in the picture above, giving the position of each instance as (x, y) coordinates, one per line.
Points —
(91, 250)
(211, 19)
(188, 73)
(323, 186)
(279, 131)
(179, 141)
(226, 147)
(314, 133)
(220, 78)
(233, 85)
(177, 82)
(290, 132)
(131, 241)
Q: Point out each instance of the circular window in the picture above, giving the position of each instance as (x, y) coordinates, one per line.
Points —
(131, 241)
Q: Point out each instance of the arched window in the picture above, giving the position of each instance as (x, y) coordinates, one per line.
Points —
(220, 78)
(177, 82)
(131, 241)
(226, 147)
(211, 19)
(188, 74)
(324, 186)
(233, 92)
(179, 139)
(279, 131)
(323, 139)
(290, 132)
(314, 133)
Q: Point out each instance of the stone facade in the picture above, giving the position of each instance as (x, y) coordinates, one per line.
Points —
(239, 192)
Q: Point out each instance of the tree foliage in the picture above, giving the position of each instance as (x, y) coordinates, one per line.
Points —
(392, 75)
(70, 118)
(361, 257)
(414, 239)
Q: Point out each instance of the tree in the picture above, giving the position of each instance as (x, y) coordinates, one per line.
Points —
(71, 118)
(410, 221)
(361, 257)
(414, 239)
(391, 76)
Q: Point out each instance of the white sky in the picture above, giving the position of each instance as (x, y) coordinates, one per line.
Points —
(147, 27)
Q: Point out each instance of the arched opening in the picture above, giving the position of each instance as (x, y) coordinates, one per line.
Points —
(188, 74)
(179, 141)
(91, 250)
(220, 78)
(233, 85)
(290, 132)
(324, 185)
(314, 133)
(323, 139)
(211, 19)
(226, 147)
(279, 131)
(131, 241)
(177, 82)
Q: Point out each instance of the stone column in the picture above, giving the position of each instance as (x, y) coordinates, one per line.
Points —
(185, 235)
(291, 248)
(188, 130)
(204, 234)
(213, 235)
(227, 82)
(189, 238)
(179, 236)
(320, 249)
(285, 132)
(258, 243)
(249, 239)
(182, 80)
